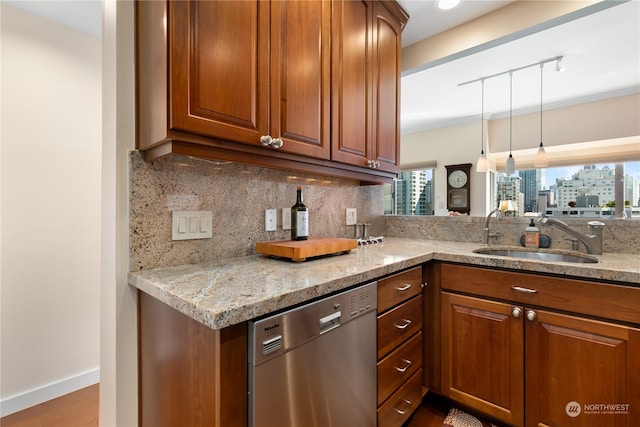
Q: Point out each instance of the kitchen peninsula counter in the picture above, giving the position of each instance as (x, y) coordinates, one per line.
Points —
(226, 292)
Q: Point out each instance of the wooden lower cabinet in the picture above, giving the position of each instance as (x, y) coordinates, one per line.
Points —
(482, 356)
(527, 365)
(190, 375)
(400, 345)
(399, 407)
(576, 364)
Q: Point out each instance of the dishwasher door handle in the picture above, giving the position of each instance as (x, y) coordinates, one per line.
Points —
(329, 322)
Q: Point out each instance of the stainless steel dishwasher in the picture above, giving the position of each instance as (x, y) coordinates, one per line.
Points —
(315, 365)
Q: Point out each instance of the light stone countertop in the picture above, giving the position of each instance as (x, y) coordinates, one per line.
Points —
(226, 292)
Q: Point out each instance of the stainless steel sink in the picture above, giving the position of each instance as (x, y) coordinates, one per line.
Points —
(540, 254)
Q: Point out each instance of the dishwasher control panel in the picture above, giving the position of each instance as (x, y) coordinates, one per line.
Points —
(278, 333)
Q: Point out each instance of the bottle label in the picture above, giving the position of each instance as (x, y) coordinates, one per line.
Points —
(531, 239)
(302, 220)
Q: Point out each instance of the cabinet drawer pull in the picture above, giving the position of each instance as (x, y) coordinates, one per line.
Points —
(403, 288)
(403, 411)
(407, 322)
(403, 370)
(524, 290)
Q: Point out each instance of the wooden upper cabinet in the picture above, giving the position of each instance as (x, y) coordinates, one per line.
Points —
(366, 84)
(243, 70)
(212, 42)
(301, 76)
(215, 77)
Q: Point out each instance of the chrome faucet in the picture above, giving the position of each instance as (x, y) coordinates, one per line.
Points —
(487, 234)
(592, 241)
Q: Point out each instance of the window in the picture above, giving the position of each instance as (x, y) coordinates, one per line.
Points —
(411, 194)
(574, 191)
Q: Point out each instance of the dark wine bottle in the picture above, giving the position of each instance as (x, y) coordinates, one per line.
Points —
(299, 218)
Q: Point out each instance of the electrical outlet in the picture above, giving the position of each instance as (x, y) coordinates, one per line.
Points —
(286, 218)
(188, 225)
(352, 217)
(270, 220)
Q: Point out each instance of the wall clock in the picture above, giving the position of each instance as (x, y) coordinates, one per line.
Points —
(459, 188)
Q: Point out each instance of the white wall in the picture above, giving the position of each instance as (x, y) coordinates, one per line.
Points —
(50, 209)
(449, 146)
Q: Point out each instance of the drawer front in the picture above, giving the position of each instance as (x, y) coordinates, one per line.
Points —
(402, 403)
(398, 366)
(396, 325)
(398, 288)
(615, 302)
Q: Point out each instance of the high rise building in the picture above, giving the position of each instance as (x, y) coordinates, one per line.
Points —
(414, 193)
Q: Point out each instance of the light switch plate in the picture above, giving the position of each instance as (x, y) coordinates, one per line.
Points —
(270, 220)
(352, 216)
(286, 218)
(188, 225)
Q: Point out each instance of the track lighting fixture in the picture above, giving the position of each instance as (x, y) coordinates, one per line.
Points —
(481, 166)
(541, 159)
(511, 162)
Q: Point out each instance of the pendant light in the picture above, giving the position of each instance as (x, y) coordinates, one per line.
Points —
(541, 160)
(482, 160)
(511, 162)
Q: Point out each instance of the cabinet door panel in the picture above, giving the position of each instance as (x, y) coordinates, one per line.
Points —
(387, 71)
(351, 93)
(301, 67)
(579, 362)
(482, 359)
(215, 42)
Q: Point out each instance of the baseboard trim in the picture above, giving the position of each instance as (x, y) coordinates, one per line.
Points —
(47, 392)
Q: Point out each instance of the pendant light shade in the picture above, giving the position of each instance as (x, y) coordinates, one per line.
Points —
(541, 159)
(511, 162)
(481, 166)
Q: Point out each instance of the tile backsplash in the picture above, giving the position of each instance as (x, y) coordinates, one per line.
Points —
(238, 196)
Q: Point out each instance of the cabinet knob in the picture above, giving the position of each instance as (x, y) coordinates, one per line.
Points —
(516, 312)
(373, 164)
(267, 140)
(531, 315)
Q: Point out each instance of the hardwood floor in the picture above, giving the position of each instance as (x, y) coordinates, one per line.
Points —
(431, 413)
(77, 409)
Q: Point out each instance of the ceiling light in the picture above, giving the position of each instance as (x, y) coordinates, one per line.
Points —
(482, 160)
(559, 67)
(511, 162)
(447, 4)
(541, 159)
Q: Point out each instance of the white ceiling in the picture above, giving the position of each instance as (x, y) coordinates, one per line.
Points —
(601, 60)
(601, 50)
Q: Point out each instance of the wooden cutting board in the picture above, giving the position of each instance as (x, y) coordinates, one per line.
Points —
(300, 250)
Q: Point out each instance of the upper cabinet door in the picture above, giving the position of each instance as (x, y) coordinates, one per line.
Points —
(352, 82)
(219, 69)
(301, 76)
(366, 85)
(386, 95)
(245, 69)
